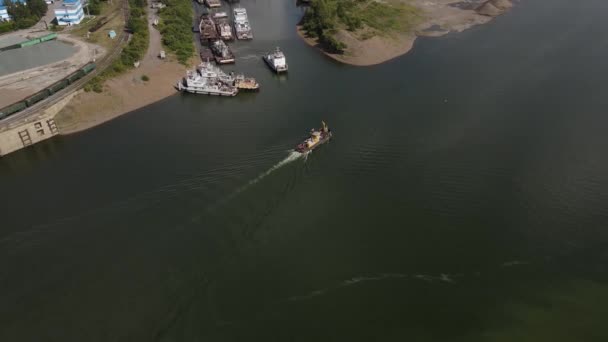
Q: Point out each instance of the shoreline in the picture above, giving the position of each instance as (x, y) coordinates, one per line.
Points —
(122, 95)
(439, 18)
(387, 45)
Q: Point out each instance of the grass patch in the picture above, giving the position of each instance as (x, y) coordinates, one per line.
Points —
(175, 27)
(369, 17)
(145, 78)
(134, 51)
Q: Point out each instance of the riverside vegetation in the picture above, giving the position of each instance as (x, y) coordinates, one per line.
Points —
(133, 52)
(324, 19)
(175, 28)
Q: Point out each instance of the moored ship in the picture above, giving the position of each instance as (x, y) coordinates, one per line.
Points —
(276, 61)
(213, 3)
(316, 139)
(246, 83)
(223, 54)
(207, 79)
(241, 24)
(207, 28)
(223, 26)
(206, 54)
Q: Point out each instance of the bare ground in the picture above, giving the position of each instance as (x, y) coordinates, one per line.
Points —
(18, 85)
(440, 17)
(124, 93)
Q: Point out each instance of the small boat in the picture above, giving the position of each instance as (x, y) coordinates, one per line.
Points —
(316, 139)
(213, 3)
(246, 83)
(276, 61)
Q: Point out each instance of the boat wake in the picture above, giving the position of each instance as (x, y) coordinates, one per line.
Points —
(293, 156)
(252, 56)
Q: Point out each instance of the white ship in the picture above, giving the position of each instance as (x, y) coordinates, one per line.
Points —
(209, 80)
(241, 24)
(276, 61)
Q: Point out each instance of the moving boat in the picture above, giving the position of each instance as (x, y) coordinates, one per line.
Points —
(316, 139)
(276, 61)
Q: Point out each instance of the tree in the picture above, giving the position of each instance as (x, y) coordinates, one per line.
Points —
(25, 15)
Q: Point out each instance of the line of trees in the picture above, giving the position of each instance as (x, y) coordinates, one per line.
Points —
(135, 49)
(176, 28)
(324, 17)
(23, 15)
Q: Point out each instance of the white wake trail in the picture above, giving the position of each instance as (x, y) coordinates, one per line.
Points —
(293, 156)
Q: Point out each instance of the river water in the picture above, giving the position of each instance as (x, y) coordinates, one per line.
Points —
(464, 198)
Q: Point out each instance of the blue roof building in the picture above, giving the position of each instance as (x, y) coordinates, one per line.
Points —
(69, 13)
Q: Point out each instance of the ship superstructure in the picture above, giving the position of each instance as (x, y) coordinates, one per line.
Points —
(276, 61)
(209, 80)
(223, 54)
(241, 24)
(317, 138)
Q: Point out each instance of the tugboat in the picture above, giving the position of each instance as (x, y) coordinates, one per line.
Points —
(246, 83)
(316, 139)
(276, 61)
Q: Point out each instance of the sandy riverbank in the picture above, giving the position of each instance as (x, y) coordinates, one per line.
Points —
(439, 17)
(124, 93)
(121, 95)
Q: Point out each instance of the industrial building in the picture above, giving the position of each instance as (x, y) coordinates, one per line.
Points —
(69, 13)
(3, 12)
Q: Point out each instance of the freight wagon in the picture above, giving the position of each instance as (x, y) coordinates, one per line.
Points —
(14, 108)
(55, 87)
(46, 92)
(39, 96)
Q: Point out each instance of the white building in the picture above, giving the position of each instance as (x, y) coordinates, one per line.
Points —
(3, 13)
(69, 13)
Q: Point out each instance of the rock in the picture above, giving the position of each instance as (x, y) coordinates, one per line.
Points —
(493, 8)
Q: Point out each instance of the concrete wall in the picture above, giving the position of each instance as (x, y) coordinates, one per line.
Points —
(35, 129)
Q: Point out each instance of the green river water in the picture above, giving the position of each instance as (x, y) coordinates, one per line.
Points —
(464, 197)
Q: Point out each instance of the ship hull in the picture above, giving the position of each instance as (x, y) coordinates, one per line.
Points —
(220, 60)
(179, 86)
(244, 36)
